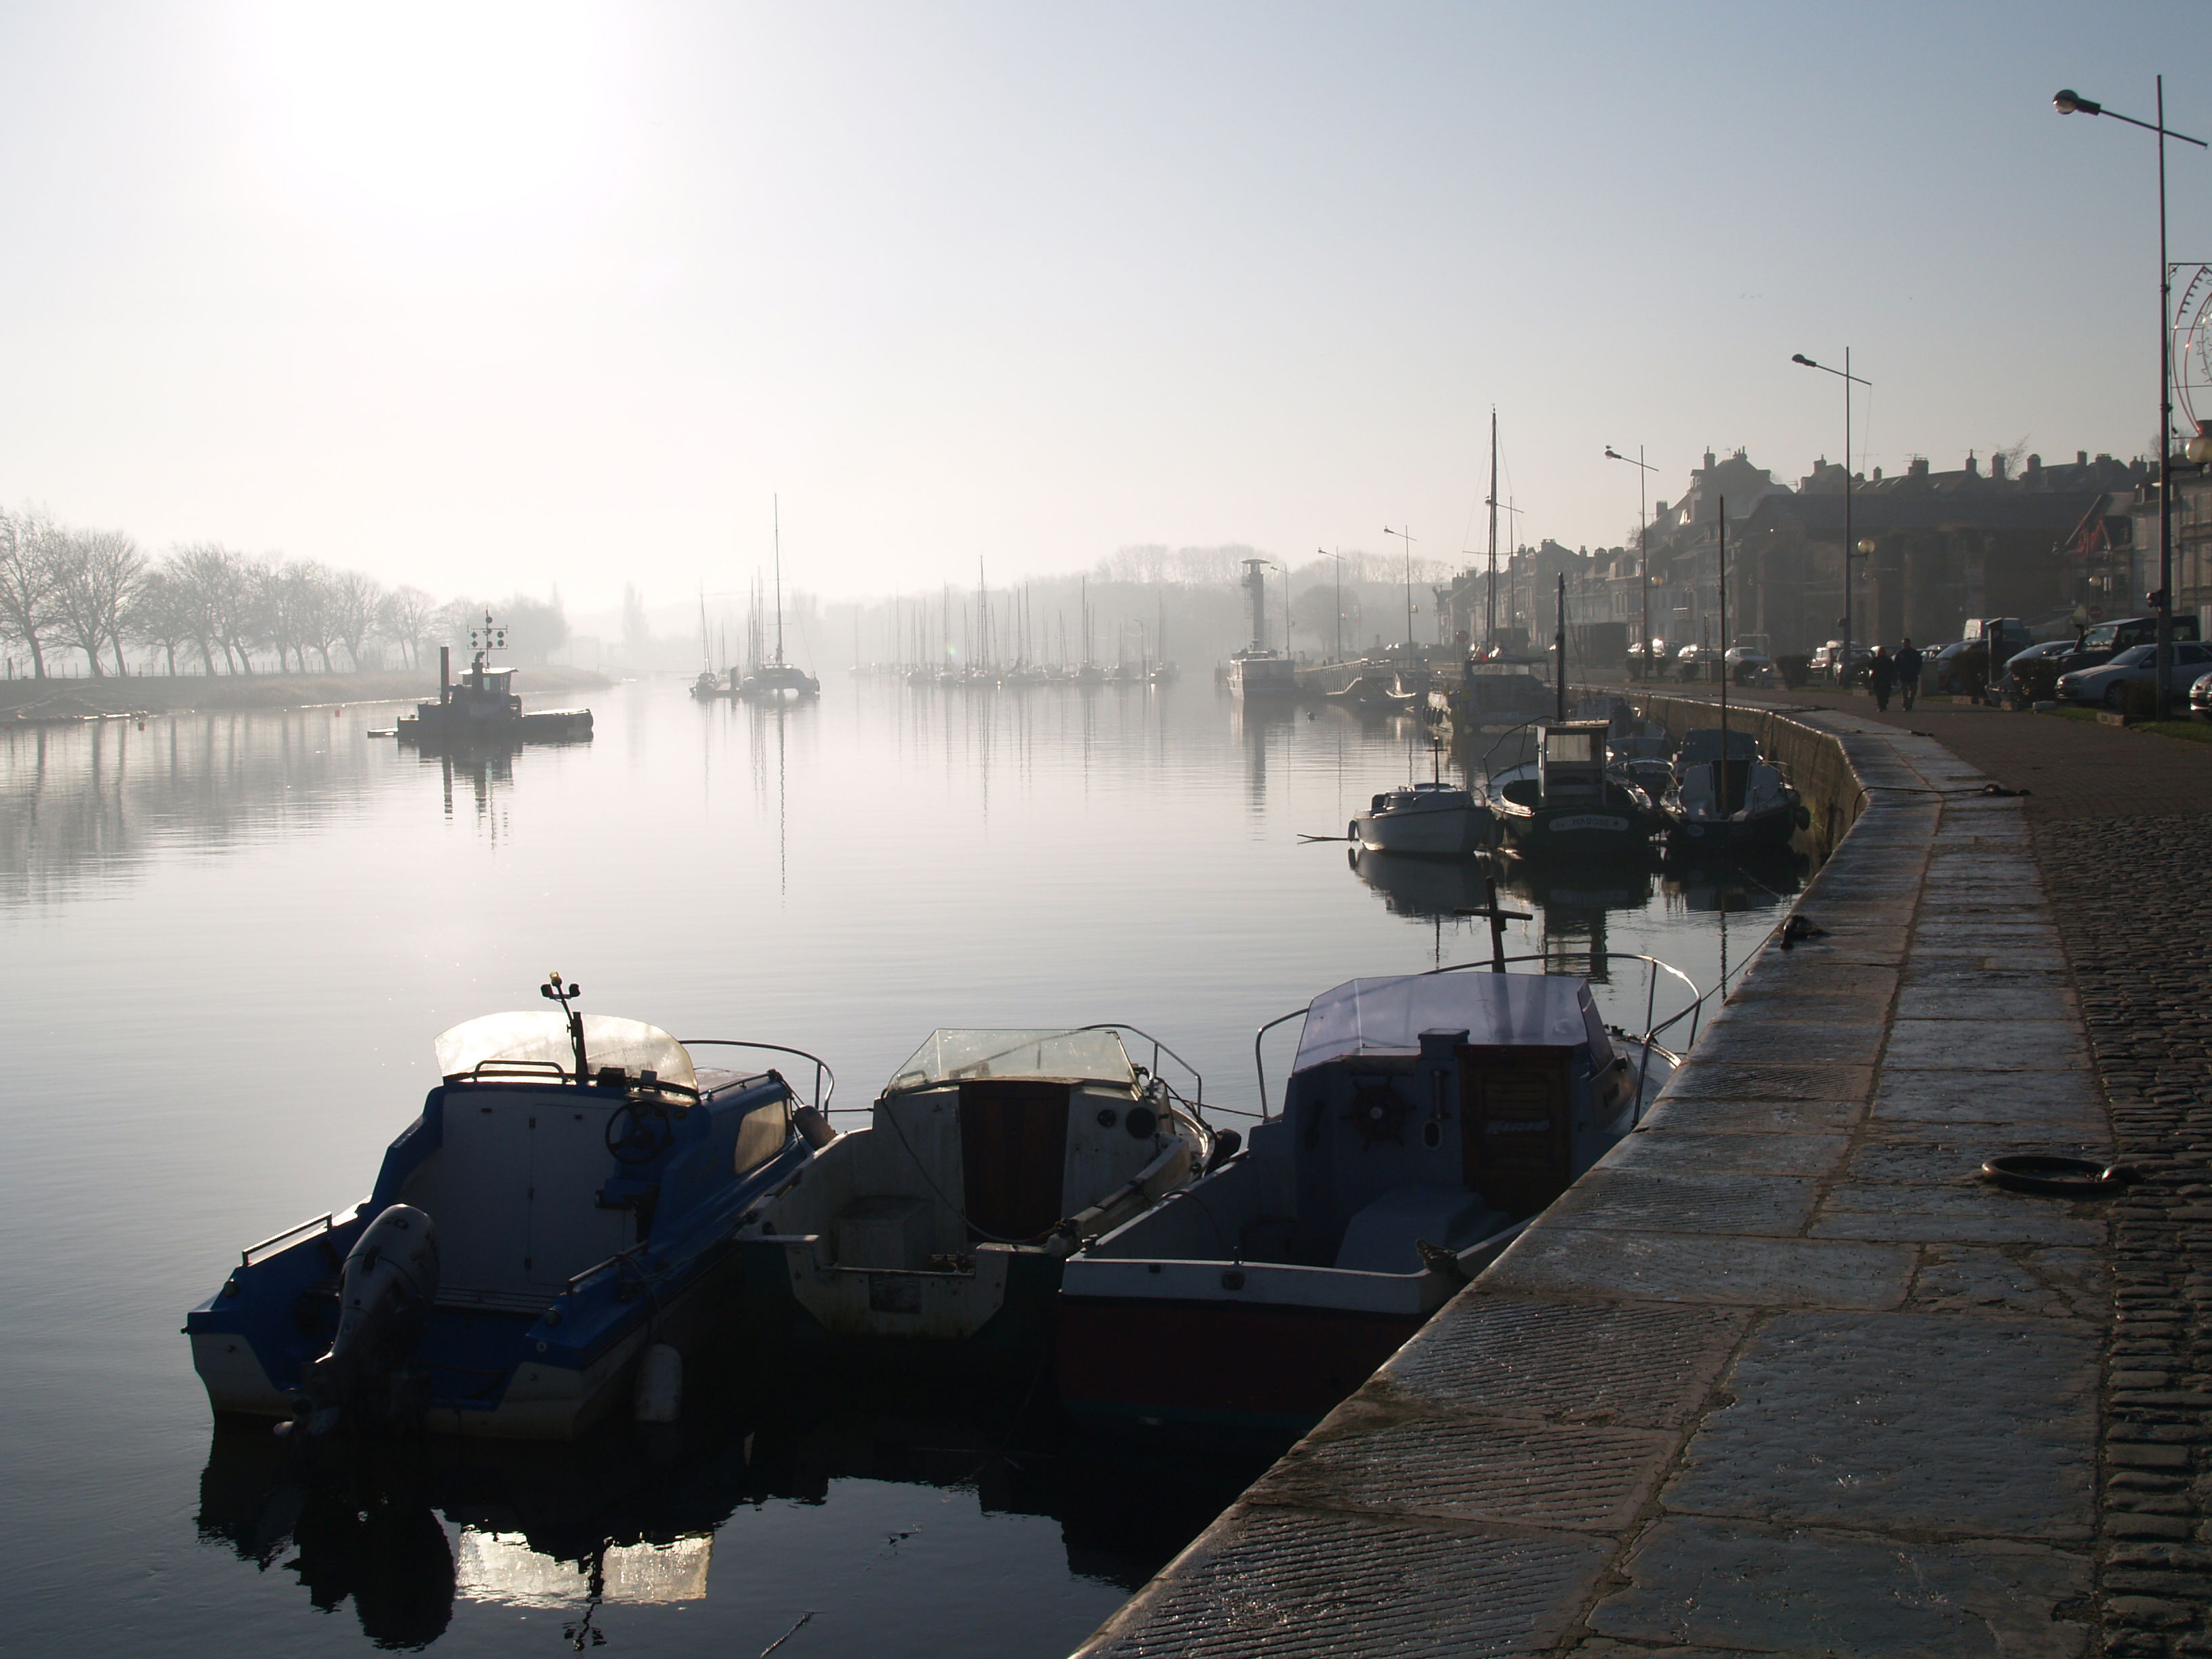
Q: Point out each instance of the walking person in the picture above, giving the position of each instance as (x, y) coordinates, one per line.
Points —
(1907, 661)
(1881, 675)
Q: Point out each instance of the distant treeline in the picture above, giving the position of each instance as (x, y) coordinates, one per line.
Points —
(203, 608)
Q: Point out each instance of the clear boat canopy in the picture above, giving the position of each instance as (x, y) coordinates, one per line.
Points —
(1387, 1016)
(537, 1039)
(956, 1056)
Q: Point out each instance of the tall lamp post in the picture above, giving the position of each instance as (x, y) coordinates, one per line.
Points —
(2067, 101)
(1849, 379)
(1338, 557)
(1643, 542)
(1406, 537)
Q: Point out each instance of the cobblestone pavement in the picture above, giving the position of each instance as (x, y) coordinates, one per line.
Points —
(2134, 911)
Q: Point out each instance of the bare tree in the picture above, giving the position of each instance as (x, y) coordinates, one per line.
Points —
(354, 602)
(99, 573)
(30, 603)
(163, 614)
(407, 617)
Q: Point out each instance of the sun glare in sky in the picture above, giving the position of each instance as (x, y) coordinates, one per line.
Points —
(452, 112)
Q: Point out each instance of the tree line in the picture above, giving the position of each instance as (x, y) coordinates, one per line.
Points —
(202, 607)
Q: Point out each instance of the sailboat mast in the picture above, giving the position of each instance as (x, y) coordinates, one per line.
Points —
(1728, 802)
(777, 507)
(1490, 619)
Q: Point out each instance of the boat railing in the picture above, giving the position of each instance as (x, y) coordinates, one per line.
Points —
(325, 1222)
(1497, 964)
(825, 1080)
(1196, 1099)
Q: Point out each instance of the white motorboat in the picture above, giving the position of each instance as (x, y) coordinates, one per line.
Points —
(1440, 819)
(990, 1157)
(1725, 792)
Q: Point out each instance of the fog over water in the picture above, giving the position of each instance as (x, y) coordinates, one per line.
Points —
(226, 943)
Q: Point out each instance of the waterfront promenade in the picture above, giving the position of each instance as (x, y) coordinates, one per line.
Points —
(1782, 1376)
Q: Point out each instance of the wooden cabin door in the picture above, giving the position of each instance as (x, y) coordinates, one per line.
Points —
(1013, 1155)
(1516, 1145)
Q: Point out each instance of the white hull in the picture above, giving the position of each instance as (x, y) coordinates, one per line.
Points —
(1442, 831)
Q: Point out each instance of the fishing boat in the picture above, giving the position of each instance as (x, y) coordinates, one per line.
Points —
(481, 708)
(565, 1203)
(1567, 802)
(1725, 793)
(987, 1159)
(1427, 1118)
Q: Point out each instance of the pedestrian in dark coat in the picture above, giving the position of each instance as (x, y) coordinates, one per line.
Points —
(1881, 675)
(1908, 672)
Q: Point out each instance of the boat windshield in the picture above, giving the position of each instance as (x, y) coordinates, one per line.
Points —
(542, 1039)
(952, 1056)
(1387, 1016)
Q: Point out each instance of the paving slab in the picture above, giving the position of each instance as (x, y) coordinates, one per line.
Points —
(1700, 1268)
(1775, 1037)
(1759, 1117)
(1644, 1364)
(1298, 1582)
(2012, 1045)
(2040, 1103)
(1966, 1427)
(1669, 1148)
(1613, 1198)
(1848, 1595)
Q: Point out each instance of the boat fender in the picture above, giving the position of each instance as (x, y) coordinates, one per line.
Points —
(814, 1126)
(1227, 1143)
(659, 1397)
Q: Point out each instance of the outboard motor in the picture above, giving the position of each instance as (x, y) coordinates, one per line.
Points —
(366, 1383)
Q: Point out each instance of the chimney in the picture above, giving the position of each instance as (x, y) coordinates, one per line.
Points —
(1973, 466)
(2080, 458)
(1919, 467)
(1709, 460)
(1997, 464)
(2035, 466)
(1877, 474)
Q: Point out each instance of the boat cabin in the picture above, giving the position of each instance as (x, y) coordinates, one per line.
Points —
(1570, 763)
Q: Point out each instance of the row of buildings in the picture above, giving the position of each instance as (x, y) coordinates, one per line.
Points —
(2073, 543)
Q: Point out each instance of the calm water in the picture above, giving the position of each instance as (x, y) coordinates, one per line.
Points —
(226, 942)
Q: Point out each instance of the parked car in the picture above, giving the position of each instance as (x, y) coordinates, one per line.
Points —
(2100, 644)
(2138, 665)
(2042, 663)
(1831, 654)
(2200, 698)
(1695, 662)
(1642, 655)
(1749, 666)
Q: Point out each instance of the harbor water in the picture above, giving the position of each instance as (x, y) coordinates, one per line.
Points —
(226, 944)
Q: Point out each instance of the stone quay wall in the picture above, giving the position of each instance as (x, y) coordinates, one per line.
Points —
(1780, 1374)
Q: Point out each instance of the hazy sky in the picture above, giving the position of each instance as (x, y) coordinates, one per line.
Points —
(482, 295)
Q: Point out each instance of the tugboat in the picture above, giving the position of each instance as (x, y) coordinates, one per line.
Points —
(1428, 1118)
(560, 1214)
(988, 1159)
(483, 710)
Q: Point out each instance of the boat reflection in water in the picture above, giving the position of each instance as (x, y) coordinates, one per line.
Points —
(421, 1538)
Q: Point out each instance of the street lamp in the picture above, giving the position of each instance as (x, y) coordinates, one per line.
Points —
(1406, 537)
(1845, 374)
(2067, 101)
(1643, 541)
(1338, 557)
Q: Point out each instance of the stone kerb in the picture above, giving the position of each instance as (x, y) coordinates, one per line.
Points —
(1779, 1375)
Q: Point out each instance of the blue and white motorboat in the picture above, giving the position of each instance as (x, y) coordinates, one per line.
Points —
(1428, 1117)
(565, 1202)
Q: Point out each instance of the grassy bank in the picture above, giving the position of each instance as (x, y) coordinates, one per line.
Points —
(77, 699)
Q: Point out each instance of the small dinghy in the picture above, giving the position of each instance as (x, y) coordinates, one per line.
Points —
(989, 1157)
(1725, 793)
(1427, 1118)
(565, 1203)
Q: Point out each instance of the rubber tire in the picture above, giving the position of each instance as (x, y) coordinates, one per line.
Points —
(2112, 697)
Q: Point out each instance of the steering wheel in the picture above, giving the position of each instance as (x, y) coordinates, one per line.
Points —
(639, 1131)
